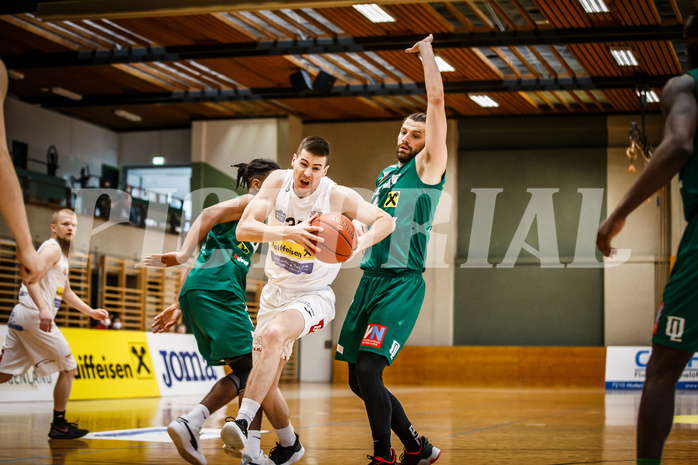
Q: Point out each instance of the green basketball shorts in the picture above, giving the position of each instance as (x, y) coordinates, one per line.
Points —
(381, 316)
(220, 323)
(677, 321)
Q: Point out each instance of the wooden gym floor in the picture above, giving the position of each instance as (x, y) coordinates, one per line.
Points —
(471, 426)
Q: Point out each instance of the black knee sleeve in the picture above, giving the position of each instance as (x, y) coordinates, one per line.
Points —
(241, 367)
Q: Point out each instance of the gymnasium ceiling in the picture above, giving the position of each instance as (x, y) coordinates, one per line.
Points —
(171, 62)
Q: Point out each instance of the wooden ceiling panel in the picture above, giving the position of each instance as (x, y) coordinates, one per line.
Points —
(255, 72)
(564, 13)
(637, 12)
(183, 30)
(468, 65)
(15, 40)
(419, 18)
(596, 59)
(351, 22)
(623, 100)
(335, 108)
(524, 56)
(410, 19)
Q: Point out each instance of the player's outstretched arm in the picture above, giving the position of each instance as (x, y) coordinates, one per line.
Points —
(253, 229)
(349, 202)
(431, 161)
(681, 109)
(74, 301)
(223, 212)
(12, 205)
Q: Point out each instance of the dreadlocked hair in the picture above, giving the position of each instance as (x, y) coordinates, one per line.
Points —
(256, 169)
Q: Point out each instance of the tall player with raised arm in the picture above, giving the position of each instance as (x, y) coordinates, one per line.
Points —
(390, 295)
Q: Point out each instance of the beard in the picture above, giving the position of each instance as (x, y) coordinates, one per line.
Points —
(64, 242)
(403, 157)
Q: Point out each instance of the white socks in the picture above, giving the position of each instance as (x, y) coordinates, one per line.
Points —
(287, 437)
(197, 416)
(253, 446)
(248, 409)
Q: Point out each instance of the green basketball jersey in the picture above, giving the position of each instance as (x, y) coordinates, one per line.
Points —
(689, 173)
(223, 262)
(412, 203)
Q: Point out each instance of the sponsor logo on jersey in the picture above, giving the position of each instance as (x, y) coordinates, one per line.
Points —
(236, 257)
(292, 257)
(374, 336)
(307, 307)
(392, 199)
(317, 327)
(280, 215)
(291, 249)
(244, 248)
(675, 327)
(394, 349)
(59, 297)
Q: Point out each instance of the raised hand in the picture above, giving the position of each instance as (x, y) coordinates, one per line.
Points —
(426, 41)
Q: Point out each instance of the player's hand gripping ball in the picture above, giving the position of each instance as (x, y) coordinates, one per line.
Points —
(339, 235)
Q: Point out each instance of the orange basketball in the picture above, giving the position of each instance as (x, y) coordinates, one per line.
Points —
(339, 235)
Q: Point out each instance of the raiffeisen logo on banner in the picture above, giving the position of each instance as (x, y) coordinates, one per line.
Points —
(111, 364)
(179, 367)
(626, 368)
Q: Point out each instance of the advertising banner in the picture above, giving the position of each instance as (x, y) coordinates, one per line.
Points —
(111, 364)
(626, 368)
(180, 368)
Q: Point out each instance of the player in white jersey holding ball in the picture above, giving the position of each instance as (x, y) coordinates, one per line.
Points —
(32, 336)
(298, 299)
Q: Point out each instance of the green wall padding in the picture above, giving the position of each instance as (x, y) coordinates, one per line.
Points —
(530, 303)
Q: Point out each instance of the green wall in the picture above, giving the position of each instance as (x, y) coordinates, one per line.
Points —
(210, 186)
(535, 299)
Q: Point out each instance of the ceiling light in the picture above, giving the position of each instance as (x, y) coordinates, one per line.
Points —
(374, 13)
(158, 160)
(484, 101)
(652, 96)
(624, 56)
(128, 115)
(15, 74)
(444, 67)
(594, 6)
(66, 93)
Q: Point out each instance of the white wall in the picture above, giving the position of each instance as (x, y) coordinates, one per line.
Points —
(631, 289)
(79, 144)
(224, 143)
(139, 148)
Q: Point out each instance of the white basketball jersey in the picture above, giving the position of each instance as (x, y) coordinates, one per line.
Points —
(52, 284)
(288, 264)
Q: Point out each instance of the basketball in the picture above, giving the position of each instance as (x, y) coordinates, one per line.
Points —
(339, 235)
